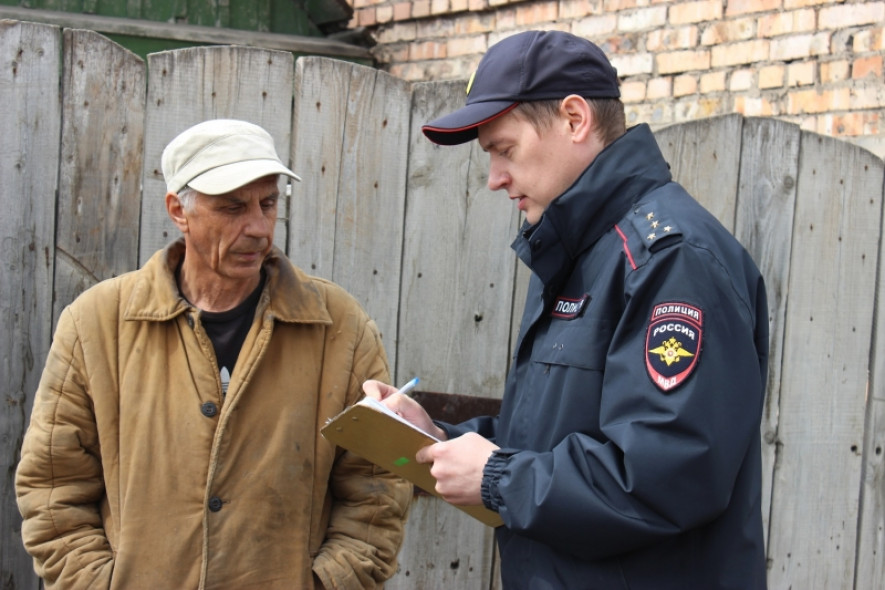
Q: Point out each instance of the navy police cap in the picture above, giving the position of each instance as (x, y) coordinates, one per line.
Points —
(534, 65)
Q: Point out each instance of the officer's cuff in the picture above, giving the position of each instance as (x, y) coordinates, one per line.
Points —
(491, 475)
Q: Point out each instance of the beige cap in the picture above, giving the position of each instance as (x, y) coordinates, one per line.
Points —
(219, 156)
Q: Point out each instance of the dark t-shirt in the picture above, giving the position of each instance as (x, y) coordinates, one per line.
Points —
(228, 329)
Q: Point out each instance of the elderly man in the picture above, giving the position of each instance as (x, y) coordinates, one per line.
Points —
(174, 441)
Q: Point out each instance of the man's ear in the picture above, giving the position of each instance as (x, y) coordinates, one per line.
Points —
(579, 116)
(176, 212)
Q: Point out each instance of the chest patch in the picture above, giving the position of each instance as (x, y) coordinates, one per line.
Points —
(673, 343)
(566, 308)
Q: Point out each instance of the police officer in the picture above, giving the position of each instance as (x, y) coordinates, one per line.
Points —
(627, 452)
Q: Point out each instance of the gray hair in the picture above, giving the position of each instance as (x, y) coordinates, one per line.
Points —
(187, 197)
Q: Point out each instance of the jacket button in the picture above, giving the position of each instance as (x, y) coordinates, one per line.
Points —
(209, 409)
(190, 322)
(215, 503)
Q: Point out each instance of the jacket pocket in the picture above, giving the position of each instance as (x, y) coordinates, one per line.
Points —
(583, 344)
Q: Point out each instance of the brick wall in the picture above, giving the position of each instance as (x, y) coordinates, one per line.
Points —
(817, 63)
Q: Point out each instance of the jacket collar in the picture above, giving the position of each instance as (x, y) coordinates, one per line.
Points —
(626, 169)
(289, 294)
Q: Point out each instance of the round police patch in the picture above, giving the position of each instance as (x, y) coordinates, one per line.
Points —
(673, 343)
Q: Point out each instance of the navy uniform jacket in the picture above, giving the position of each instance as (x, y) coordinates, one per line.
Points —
(630, 421)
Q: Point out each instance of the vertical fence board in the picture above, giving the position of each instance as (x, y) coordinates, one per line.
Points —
(353, 160)
(764, 223)
(371, 196)
(350, 147)
(458, 268)
(870, 568)
(101, 155)
(322, 88)
(455, 320)
(444, 548)
(704, 157)
(187, 86)
(30, 117)
(828, 330)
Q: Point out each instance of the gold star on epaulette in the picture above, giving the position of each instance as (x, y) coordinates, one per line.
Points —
(651, 236)
(655, 224)
(650, 216)
(668, 228)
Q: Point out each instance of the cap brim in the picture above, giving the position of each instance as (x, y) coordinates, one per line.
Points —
(230, 177)
(461, 126)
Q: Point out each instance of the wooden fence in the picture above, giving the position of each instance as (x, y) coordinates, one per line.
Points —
(412, 231)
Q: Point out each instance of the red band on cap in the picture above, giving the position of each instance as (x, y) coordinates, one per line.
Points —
(458, 130)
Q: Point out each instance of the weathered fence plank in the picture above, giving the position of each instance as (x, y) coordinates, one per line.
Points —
(101, 155)
(764, 222)
(187, 86)
(30, 117)
(320, 112)
(444, 548)
(456, 300)
(870, 563)
(828, 329)
(455, 316)
(366, 181)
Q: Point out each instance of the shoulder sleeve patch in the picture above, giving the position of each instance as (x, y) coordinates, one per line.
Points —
(673, 343)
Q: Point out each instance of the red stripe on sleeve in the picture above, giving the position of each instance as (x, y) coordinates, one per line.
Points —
(626, 249)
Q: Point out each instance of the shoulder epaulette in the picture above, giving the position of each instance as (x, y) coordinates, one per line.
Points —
(653, 223)
(650, 226)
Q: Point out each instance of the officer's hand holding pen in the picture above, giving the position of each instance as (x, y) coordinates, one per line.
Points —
(399, 402)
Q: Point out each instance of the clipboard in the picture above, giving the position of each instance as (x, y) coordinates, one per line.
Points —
(373, 432)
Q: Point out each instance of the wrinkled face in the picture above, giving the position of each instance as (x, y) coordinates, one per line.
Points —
(229, 235)
(533, 166)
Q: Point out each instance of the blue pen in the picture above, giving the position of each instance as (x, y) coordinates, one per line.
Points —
(405, 389)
